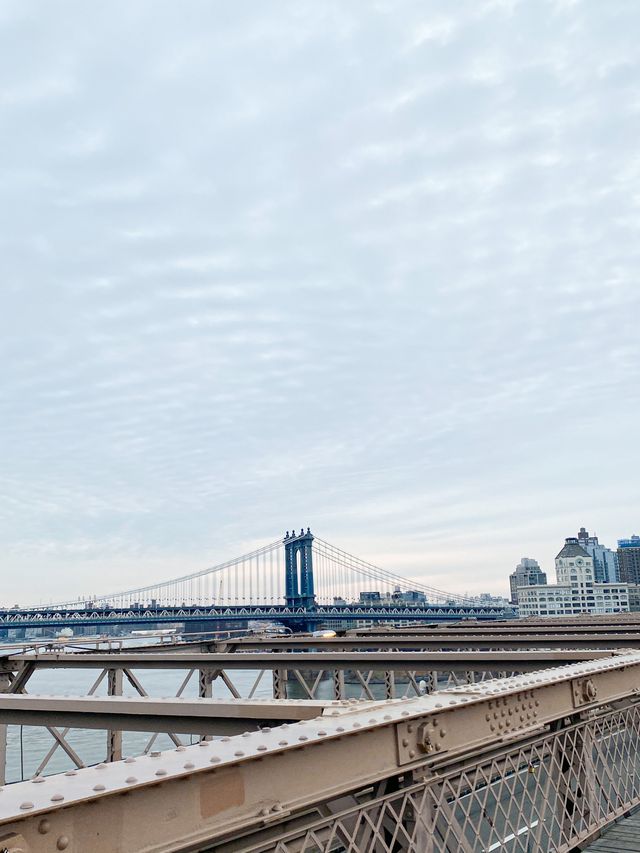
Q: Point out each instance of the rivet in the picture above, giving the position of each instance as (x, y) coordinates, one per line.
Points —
(321, 732)
(37, 779)
(261, 748)
(133, 761)
(44, 826)
(204, 743)
(215, 759)
(238, 753)
(62, 843)
(303, 737)
(130, 780)
(57, 798)
(26, 805)
(339, 729)
(181, 749)
(98, 788)
(283, 743)
(225, 739)
(161, 772)
(71, 773)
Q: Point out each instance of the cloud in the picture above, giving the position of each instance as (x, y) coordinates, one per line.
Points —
(374, 267)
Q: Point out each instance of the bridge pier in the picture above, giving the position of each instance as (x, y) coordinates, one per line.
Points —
(114, 738)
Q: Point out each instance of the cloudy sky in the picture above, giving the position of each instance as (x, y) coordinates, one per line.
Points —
(370, 267)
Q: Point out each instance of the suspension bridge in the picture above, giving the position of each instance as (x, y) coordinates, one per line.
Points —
(301, 582)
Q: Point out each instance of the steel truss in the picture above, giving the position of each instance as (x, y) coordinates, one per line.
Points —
(536, 762)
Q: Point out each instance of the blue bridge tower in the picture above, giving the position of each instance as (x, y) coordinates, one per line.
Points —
(299, 591)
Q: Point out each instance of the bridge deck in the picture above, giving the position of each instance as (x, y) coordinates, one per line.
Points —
(623, 837)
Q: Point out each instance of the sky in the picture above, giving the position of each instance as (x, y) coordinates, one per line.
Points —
(370, 267)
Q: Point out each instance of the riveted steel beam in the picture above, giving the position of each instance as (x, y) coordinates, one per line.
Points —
(144, 714)
(224, 791)
(400, 660)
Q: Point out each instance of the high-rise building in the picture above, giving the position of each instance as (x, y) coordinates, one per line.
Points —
(577, 591)
(527, 572)
(605, 561)
(629, 559)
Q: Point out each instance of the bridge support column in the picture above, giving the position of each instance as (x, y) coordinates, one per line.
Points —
(205, 683)
(280, 683)
(389, 684)
(5, 687)
(206, 678)
(299, 584)
(339, 691)
(114, 738)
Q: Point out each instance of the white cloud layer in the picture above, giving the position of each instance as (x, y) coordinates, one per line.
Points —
(367, 266)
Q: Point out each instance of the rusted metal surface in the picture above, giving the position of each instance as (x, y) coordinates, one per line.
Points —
(536, 762)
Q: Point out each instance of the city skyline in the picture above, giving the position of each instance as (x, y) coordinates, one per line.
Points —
(366, 267)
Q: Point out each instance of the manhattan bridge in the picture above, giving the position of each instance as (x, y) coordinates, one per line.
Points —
(301, 582)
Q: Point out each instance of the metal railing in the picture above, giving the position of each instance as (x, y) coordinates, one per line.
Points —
(536, 762)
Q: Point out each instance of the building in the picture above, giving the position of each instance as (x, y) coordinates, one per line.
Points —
(490, 600)
(527, 572)
(629, 559)
(605, 561)
(634, 597)
(576, 591)
(370, 597)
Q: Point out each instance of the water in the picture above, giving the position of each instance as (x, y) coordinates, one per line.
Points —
(28, 745)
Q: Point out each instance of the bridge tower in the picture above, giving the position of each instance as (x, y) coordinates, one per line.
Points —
(299, 591)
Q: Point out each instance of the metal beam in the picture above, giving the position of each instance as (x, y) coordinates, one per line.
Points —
(144, 714)
(237, 793)
(437, 641)
(445, 661)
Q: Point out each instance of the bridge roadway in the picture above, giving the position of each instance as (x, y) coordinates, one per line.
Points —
(187, 614)
(538, 762)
